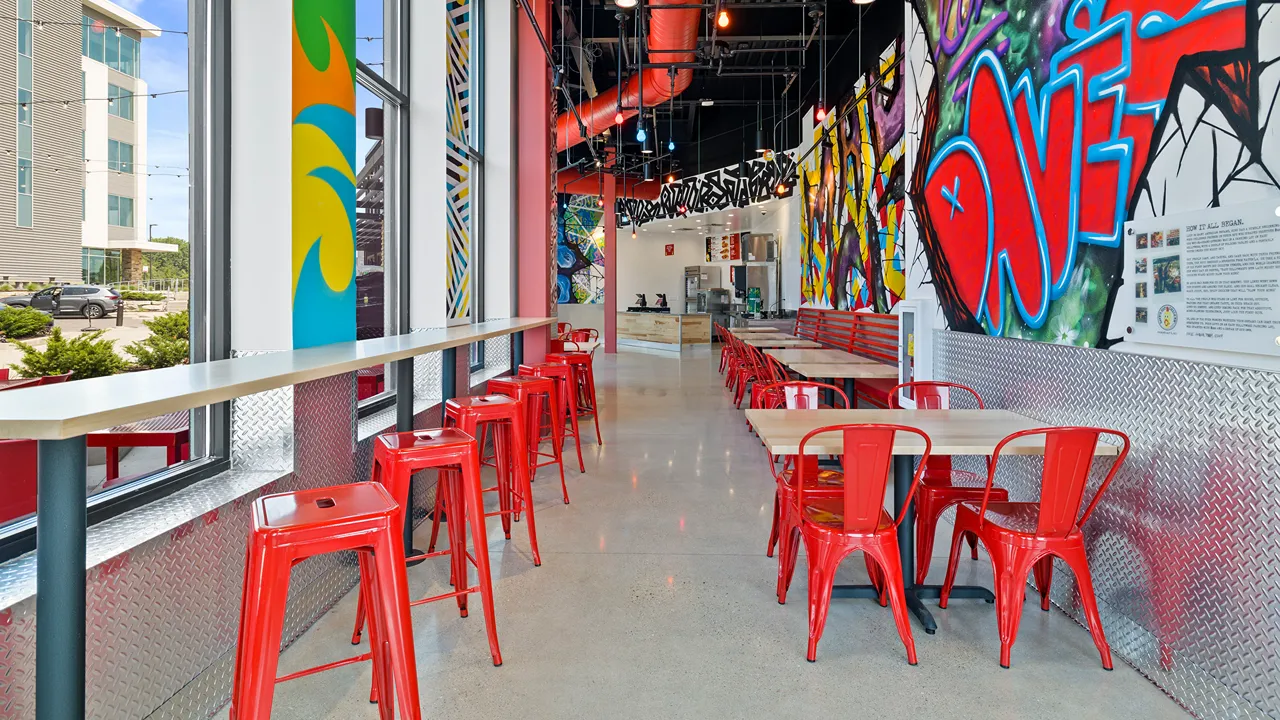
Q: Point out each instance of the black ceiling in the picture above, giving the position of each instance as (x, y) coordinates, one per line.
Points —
(765, 38)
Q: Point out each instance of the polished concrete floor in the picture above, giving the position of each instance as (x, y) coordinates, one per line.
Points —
(655, 600)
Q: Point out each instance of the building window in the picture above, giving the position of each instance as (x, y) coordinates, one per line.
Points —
(100, 267)
(119, 156)
(25, 112)
(120, 103)
(111, 47)
(119, 211)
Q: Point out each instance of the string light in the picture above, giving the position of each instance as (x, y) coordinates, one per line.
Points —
(723, 18)
(617, 119)
(41, 23)
(66, 102)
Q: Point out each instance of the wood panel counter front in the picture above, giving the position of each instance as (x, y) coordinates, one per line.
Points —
(664, 328)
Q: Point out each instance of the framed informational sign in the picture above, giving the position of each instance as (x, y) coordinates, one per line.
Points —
(670, 250)
(1207, 279)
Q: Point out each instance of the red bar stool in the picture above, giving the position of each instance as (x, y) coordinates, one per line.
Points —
(584, 384)
(515, 493)
(563, 375)
(396, 457)
(291, 527)
(538, 395)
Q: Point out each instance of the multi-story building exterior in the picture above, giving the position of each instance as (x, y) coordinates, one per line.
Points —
(73, 173)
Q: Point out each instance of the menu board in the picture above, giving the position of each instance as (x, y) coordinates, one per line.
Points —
(1206, 279)
(724, 248)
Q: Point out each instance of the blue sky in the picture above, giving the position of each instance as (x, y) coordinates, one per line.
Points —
(164, 68)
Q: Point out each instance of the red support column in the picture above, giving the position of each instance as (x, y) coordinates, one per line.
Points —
(535, 193)
(610, 264)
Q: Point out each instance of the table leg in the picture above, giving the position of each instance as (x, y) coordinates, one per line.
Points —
(60, 582)
(404, 423)
(848, 390)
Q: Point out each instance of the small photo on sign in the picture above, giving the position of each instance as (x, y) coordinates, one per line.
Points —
(1142, 241)
(1173, 238)
(1166, 274)
(1140, 315)
(1140, 290)
(1157, 239)
(1140, 266)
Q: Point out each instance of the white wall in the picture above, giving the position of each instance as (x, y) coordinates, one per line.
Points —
(499, 166)
(261, 176)
(584, 316)
(428, 236)
(643, 266)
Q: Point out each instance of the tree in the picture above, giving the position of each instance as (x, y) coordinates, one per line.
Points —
(169, 266)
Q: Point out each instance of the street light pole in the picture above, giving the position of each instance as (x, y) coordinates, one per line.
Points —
(150, 231)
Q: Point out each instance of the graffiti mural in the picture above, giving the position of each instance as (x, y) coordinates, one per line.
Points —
(580, 252)
(1044, 125)
(734, 186)
(852, 190)
(324, 189)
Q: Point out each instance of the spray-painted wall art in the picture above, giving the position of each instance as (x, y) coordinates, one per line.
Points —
(324, 190)
(580, 252)
(734, 186)
(852, 197)
(1038, 127)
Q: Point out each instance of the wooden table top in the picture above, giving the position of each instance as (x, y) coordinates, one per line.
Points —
(753, 330)
(846, 371)
(819, 355)
(784, 343)
(772, 336)
(953, 432)
(66, 410)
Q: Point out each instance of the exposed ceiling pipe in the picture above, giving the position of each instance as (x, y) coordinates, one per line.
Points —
(575, 182)
(670, 30)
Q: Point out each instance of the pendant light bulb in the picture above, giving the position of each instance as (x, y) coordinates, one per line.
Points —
(628, 4)
(671, 179)
(617, 119)
(633, 233)
(671, 145)
(821, 114)
(723, 18)
(641, 135)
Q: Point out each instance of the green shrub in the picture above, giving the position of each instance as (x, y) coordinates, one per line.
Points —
(17, 323)
(140, 295)
(33, 287)
(87, 356)
(168, 345)
(6, 287)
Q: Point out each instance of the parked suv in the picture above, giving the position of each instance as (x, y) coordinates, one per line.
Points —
(91, 301)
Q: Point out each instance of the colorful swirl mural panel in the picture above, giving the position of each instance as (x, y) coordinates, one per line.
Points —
(580, 252)
(323, 172)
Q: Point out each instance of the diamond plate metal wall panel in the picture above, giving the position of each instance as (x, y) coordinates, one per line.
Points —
(1185, 546)
(497, 354)
(428, 373)
(262, 430)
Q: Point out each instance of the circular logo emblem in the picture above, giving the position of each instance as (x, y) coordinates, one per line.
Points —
(1167, 317)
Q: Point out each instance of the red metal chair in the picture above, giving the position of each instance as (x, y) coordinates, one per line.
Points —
(943, 486)
(584, 384)
(55, 379)
(540, 398)
(396, 457)
(834, 527)
(563, 329)
(506, 418)
(171, 432)
(4, 373)
(584, 335)
(291, 527)
(563, 375)
(830, 481)
(18, 478)
(1026, 536)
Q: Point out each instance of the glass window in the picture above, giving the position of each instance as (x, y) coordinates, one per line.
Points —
(119, 211)
(167, 206)
(24, 211)
(97, 40)
(24, 71)
(24, 38)
(120, 102)
(119, 156)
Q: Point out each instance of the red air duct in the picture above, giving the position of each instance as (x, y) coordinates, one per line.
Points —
(574, 182)
(668, 30)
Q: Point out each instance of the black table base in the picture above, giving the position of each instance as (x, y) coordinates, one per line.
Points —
(61, 529)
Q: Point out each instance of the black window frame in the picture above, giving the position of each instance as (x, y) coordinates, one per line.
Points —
(209, 73)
